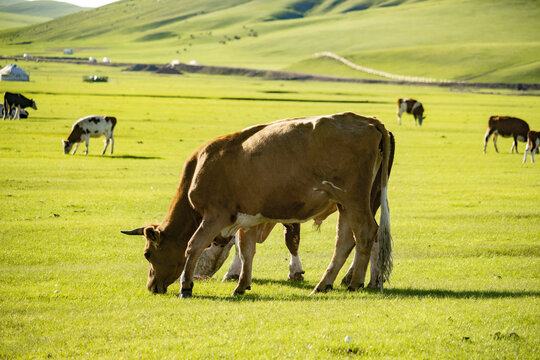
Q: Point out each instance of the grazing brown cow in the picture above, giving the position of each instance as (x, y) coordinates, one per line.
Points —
(288, 171)
(506, 126)
(533, 144)
(410, 106)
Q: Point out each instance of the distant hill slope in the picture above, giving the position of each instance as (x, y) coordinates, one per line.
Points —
(41, 8)
(9, 20)
(484, 40)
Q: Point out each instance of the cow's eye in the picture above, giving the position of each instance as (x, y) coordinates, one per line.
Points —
(147, 255)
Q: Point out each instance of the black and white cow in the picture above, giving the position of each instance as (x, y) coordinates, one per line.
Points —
(533, 144)
(18, 102)
(91, 126)
(410, 106)
(23, 114)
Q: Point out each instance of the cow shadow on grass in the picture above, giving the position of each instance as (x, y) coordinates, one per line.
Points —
(129, 157)
(338, 292)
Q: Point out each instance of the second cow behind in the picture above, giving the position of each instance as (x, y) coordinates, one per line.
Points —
(90, 126)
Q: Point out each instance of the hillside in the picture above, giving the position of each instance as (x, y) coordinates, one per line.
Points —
(19, 13)
(10, 20)
(41, 8)
(452, 39)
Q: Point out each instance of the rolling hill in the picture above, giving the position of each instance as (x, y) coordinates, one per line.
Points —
(19, 13)
(480, 40)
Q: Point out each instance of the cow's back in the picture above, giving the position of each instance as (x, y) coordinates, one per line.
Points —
(277, 166)
(509, 126)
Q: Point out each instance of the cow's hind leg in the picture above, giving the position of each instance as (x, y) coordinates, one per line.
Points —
(364, 229)
(374, 269)
(246, 244)
(344, 245)
(495, 135)
(207, 231)
(106, 142)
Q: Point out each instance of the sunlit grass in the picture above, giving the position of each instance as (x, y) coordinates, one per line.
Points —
(465, 281)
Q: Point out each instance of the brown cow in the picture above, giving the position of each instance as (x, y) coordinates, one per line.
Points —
(506, 126)
(410, 106)
(288, 171)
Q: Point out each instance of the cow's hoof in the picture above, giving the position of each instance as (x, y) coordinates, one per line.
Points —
(238, 292)
(186, 293)
(230, 277)
(351, 289)
(297, 276)
(346, 280)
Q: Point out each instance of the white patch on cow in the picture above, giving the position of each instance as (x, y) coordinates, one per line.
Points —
(415, 105)
(332, 185)
(295, 266)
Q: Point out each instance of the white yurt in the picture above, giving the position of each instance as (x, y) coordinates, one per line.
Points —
(13, 73)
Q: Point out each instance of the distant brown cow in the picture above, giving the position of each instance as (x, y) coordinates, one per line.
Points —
(506, 126)
(410, 106)
(288, 171)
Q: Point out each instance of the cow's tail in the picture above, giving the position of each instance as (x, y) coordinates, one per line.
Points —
(384, 236)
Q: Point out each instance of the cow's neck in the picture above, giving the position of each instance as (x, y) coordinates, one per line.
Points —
(181, 220)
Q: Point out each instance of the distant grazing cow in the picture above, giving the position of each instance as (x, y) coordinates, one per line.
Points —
(533, 144)
(410, 106)
(91, 126)
(17, 102)
(506, 126)
(23, 114)
(288, 171)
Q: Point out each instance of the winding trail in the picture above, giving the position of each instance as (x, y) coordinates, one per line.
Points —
(397, 77)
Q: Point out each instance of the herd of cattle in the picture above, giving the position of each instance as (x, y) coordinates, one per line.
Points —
(288, 171)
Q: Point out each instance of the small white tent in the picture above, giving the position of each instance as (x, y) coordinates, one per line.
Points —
(13, 73)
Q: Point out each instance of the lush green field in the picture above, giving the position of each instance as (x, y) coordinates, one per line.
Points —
(466, 280)
(480, 40)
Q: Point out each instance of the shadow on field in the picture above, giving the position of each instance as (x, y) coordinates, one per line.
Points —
(133, 157)
(339, 291)
(459, 294)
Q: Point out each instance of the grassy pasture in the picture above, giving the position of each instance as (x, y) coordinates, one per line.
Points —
(465, 226)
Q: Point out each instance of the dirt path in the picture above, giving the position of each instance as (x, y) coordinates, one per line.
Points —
(293, 75)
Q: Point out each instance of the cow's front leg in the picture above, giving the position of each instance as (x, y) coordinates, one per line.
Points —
(292, 240)
(75, 149)
(246, 244)
(87, 142)
(344, 245)
(207, 231)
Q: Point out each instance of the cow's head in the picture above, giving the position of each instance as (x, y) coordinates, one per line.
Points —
(67, 146)
(165, 257)
(33, 105)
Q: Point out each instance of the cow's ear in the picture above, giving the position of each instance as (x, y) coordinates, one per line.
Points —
(152, 233)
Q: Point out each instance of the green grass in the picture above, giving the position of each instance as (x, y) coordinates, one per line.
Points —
(477, 40)
(465, 227)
